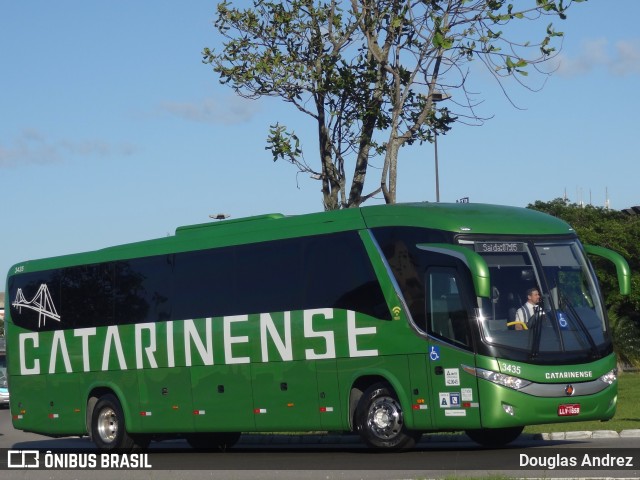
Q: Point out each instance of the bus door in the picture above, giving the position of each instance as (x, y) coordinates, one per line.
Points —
(453, 392)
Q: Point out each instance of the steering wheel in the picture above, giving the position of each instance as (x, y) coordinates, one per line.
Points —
(518, 322)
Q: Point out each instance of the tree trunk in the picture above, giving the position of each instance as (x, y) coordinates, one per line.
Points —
(391, 163)
(331, 177)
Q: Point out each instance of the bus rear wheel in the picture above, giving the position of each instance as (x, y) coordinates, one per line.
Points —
(213, 441)
(108, 430)
(494, 437)
(380, 422)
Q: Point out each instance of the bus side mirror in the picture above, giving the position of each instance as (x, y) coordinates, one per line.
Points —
(622, 267)
(474, 262)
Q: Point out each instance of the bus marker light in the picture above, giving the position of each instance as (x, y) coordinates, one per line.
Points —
(420, 406)
(326, 409)
(289, 405)
(199, 412)
(145, 414)
(17, 417)
(259, 410)
(53, 415)
(568, 409)
(76, 410)
(175, 407)
(420, 401)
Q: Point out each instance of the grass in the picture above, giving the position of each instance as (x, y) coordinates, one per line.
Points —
(627, 415)
(485, 477)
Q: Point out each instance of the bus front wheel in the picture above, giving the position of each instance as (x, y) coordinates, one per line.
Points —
(379, 420)
(108, 430)
(494, 437)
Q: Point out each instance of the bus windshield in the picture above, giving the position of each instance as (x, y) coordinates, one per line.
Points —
(565, 315)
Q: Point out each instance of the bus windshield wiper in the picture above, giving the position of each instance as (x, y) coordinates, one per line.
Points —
(571, 312)
(536, 331)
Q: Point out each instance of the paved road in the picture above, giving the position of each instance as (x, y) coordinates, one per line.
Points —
(344, 457)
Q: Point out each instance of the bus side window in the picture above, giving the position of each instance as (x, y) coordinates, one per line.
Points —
(446, 315)
(405, 269)
(338, 274)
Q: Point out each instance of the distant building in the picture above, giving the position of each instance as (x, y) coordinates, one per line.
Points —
(632, 210)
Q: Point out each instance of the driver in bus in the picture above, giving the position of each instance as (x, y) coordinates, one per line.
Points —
(527, 311)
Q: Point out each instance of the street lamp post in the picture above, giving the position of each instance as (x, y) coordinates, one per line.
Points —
(436, 97)
(435, 150)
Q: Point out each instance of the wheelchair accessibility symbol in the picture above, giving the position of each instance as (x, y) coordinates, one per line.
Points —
(434, 353)
(563, 321)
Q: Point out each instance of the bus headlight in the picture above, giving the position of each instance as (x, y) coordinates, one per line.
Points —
(610, 377)
(501, 379)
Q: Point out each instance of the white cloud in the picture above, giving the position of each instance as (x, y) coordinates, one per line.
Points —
(229, 111)
(619, 59)
(31, 147)
(628, 57)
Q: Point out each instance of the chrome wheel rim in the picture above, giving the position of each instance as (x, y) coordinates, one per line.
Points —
(107, 425)
(385, 418)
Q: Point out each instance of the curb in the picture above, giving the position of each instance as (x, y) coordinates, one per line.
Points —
(580, 435)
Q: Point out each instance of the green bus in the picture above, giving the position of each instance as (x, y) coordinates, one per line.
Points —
(389, 321)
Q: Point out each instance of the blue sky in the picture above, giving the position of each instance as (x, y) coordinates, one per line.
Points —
(112, 130)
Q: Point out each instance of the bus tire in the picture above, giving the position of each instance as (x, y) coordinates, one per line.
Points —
(380, 421)
(215, 441)
(108, 429)
(494, 437)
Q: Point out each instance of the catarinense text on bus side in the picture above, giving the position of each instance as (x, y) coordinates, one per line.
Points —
(156, 345)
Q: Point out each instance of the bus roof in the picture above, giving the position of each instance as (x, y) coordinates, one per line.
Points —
(452, 217)
(467, 218)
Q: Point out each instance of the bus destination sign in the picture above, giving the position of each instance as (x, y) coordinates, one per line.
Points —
(499, 247)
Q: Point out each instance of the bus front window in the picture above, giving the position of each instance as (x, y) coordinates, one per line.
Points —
(566, 317)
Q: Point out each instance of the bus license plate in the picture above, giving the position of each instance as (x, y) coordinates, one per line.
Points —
(568, 409)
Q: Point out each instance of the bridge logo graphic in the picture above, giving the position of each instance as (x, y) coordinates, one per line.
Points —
(41, 303)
